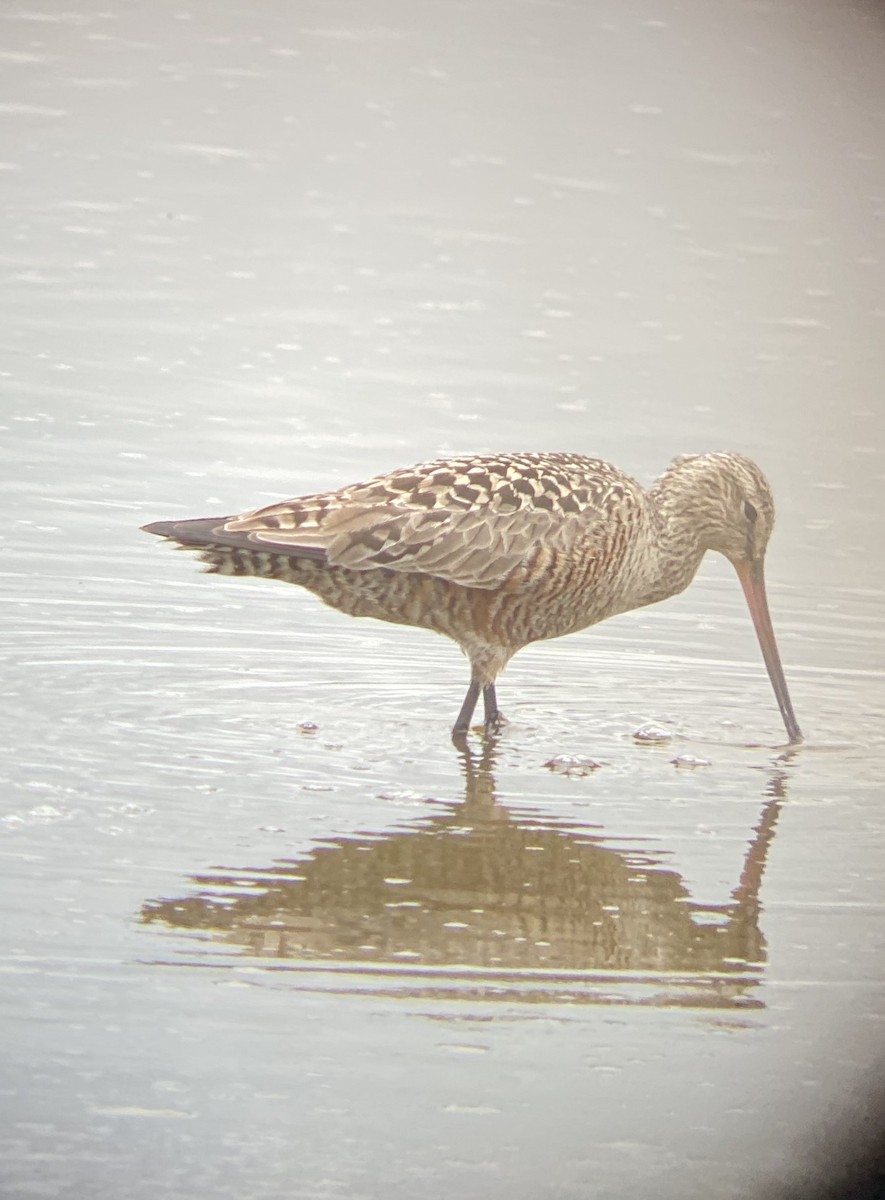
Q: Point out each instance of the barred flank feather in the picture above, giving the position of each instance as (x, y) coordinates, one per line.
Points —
(233, 560)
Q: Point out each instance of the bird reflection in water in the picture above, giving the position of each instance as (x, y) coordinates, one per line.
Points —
(491, 901)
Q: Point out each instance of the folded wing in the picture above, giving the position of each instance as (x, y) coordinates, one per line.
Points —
(472, 521)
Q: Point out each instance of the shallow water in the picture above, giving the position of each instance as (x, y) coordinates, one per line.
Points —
(266, 933)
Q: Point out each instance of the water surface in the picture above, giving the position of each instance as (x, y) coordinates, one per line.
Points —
(265, 932)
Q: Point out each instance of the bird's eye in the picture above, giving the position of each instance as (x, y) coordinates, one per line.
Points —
(750, 512)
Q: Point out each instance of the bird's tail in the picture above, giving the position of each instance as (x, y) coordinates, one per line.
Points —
(229, 553)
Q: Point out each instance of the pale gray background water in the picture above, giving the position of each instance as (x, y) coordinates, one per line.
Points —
(255, 250)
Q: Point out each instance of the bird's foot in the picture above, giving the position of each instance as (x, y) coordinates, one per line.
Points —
(491, 725)
(494, 723)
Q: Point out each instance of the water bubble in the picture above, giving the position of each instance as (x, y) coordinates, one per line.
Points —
(649, 732)
(574, 765)
(689, 761)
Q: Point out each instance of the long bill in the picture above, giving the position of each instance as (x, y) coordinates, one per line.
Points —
(752, 577)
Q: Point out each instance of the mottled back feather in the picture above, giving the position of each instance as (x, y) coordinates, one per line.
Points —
(469, 520)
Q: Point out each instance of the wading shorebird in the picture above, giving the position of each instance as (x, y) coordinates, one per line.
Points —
(497, 551)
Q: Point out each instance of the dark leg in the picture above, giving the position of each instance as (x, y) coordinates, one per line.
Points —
(462, 724)
(493, 718)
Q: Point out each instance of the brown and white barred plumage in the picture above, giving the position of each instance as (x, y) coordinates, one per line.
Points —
(497, 551)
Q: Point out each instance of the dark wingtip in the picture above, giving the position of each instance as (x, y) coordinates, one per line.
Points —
(160, 528)
(200, 532)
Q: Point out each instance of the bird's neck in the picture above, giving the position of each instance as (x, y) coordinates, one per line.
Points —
(681, 539)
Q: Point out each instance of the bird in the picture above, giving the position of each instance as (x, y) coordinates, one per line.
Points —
(497, 551)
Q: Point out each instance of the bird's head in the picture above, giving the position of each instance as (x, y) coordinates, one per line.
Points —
(732, 502)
